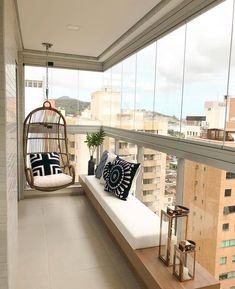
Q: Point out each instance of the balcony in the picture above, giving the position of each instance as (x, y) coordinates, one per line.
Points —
(145, 87)
(143, 140)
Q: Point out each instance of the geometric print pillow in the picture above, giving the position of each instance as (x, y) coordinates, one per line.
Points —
(44, 164)
(119, 176)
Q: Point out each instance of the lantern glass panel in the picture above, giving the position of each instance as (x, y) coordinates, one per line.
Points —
(165, 227)
(190, 265)
(179, 228)
(177, 263)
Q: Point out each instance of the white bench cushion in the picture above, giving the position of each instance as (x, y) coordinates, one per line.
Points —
(139, 226)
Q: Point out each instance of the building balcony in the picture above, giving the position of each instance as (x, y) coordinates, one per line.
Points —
(149, 198)
(150, 175)
(149, 187)
(148, 151)
(151, 163)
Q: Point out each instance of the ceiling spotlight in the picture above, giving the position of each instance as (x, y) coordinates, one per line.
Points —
(73, 27)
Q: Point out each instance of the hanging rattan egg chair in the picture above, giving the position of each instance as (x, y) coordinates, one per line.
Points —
(45, 150)
(45, 147)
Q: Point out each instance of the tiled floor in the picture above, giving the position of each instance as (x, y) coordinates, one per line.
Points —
(64, 245)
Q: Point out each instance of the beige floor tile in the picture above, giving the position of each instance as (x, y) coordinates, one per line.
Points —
(31, 236)
(68, 229)
(131, 282)
(77, 254)
(37, 281)
(32, 262)
(30, 212)
(66, 207)
(99, 278)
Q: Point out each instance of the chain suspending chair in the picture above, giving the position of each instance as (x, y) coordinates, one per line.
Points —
(45, 147)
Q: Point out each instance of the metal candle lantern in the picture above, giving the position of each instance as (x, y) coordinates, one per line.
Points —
(173, 228)
(184, 260)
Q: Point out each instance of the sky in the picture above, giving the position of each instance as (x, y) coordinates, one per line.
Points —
(161, 80)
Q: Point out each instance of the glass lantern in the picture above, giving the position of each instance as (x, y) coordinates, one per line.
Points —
(173, 229)
(184, 260)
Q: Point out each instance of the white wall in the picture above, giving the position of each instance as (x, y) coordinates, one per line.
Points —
(9, 43)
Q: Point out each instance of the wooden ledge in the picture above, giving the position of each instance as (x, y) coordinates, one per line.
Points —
(145, 262)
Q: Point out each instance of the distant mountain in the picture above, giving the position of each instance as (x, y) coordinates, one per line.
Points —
(71, 106)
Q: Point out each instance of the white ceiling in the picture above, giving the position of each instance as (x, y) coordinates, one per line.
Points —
(100, 22)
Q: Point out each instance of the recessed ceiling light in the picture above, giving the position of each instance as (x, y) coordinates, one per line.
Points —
(73, 27)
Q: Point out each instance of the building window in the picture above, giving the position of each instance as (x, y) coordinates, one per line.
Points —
(229, 210)
(71, 157)
(228, 243)
(158, 180)
(149, 169)
(148, 192)
(227, 275)
(233, 258)
(148, 157)
(227, 193)
(230, 175)
(147, 181)
(223, 260)
(225, 226)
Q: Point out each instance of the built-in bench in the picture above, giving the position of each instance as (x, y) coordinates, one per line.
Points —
(139, 226)
(134, 226)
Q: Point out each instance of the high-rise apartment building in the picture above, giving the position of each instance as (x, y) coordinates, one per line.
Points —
(209, 193)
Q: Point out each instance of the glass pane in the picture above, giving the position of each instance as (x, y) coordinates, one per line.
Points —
(128, 92)
(206, 71)
(169, 78)
(34, 96)
(145, 74)
(230, 124)
(116, 95)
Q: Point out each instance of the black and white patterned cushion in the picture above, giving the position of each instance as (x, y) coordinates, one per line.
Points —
(101, 165)
(119, 176)
(44, 164)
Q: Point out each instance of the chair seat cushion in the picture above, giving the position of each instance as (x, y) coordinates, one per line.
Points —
(51, 181)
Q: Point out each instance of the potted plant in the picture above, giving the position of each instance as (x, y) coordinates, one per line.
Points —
(93, 141)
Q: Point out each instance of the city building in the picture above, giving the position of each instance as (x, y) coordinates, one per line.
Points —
(210, 195)
(195, 125)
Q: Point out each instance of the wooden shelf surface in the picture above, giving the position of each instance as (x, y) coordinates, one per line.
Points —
(165, 279)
